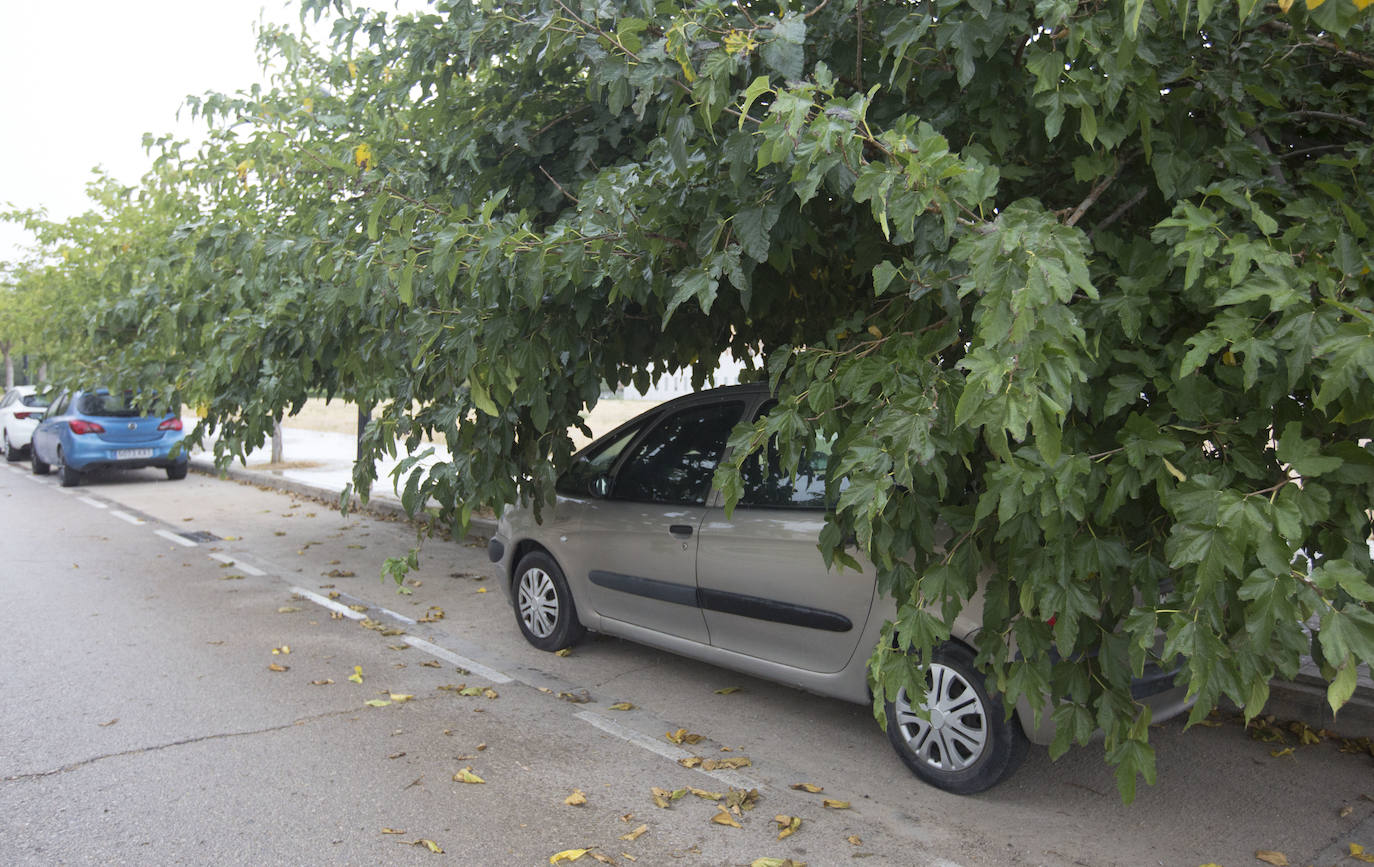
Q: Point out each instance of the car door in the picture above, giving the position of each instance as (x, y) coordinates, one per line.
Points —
(45, 436)
(765, 592)
(638, 544)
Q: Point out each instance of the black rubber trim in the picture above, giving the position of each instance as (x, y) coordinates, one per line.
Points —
(724, 602)
(773, 611)
(1152, 681)
(663, 591)
(495, 550)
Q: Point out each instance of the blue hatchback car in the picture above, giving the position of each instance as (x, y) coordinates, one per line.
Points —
(91, 430)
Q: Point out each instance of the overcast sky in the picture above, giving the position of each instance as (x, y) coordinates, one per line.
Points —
(82, 80)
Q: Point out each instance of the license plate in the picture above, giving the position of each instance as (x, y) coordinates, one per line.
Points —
(133, 454)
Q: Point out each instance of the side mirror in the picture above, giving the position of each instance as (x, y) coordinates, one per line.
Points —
(600, 486)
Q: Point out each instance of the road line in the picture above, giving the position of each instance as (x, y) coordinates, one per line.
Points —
(667, 751)
(401, 617)
(173, 537)
(328, 603)
(125, 516)
(36, 479)
(473, 666)
(93, 503)
(237, 564)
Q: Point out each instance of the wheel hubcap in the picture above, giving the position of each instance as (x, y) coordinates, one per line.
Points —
(956, 734)
(538, 601)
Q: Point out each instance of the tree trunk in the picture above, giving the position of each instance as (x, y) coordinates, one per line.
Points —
(276, 442)
(9, 367)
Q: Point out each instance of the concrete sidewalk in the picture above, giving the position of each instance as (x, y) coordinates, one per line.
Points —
(320, 465)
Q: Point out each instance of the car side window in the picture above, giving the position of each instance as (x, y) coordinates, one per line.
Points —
(674, 462)
(59, 406)
(767, 485)
(593, 463)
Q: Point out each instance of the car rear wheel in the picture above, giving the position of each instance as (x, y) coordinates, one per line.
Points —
(176, 471)
(40, 467)
(66, 476)
(543, 604)
(11, 453)
(967, 745)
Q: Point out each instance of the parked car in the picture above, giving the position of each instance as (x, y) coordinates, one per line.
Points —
(638, 545)
(95, 429)
(20, 410)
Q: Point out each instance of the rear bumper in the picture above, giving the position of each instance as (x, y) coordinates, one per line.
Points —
(86, 453)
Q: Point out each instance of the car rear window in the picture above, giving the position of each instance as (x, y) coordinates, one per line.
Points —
(116, 405)
(33, 400)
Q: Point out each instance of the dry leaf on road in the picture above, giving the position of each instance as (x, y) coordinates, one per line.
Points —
(635, 834)
(576, 799)
(787, 825)
(621, 705)
(467, 776)
(1268, 856)
(567, 855)
(807, 787)
(682, 736)
(724, 818)
(277, 667)
(835, 805)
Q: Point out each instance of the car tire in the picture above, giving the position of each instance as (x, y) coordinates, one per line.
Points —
(40, 468)
(66, 476)
(544, 606)
(11, 453)
(968, 745)
(176, 472)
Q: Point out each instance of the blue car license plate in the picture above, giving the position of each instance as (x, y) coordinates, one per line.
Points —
(133, 454)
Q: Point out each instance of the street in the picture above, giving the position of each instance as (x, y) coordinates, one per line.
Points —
(176, 673)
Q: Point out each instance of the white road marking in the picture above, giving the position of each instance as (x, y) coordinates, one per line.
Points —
(173, 537)
(473, 666)
(329, 603)
(401, 617)
(668, 751)
(94, 503)
(125, 516)
(237, 564)
(38, 479)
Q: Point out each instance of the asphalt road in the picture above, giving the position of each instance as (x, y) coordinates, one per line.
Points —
(142, 721)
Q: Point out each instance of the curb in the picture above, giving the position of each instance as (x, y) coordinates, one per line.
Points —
(377, 506)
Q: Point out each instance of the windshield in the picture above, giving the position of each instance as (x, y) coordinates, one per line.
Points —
(103, 403)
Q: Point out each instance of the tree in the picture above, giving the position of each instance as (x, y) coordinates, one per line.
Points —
(1081, 292)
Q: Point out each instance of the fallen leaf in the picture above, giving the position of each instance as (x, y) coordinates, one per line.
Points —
(628, 857)
(567, 651)
(1359, 854)
(391, 831)
(1346, 811)
(276, 667)
(635, 834)
(481, 590)
(604, 859)
(430, 845)
(281, 651)
(808, 787)
(235, 577)
(399, 697)
(567, 855)
(729, 690)
(835, 805)
(358, 608)
(335, 615)
(287, 609)
(742, 799)
(467, 776)
(357, 675)
(853, 840)
(776, 862)
(702, 793)
(787, 825)
(576, 799)
(376, 702)
(340, 573)
(730, 764)
(470, 690)
(622, 705)
(395, 755)
(581, 696)
(481, 747)
(690, 762)
(1279, 754)
(1268, 856)
(398, 647)
(490, 693)
(106, 725)
(682, 736)
(724, 818)
(431, 663)
(662, 797)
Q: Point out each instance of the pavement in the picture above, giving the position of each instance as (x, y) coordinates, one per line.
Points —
(319, 465)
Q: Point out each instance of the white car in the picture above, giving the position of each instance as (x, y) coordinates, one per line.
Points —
(20, 410)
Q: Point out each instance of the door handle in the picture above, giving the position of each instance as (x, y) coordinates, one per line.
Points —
(681, 531)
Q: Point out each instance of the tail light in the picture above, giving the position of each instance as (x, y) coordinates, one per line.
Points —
(170, 424)
(84, 427)
(29, 414)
